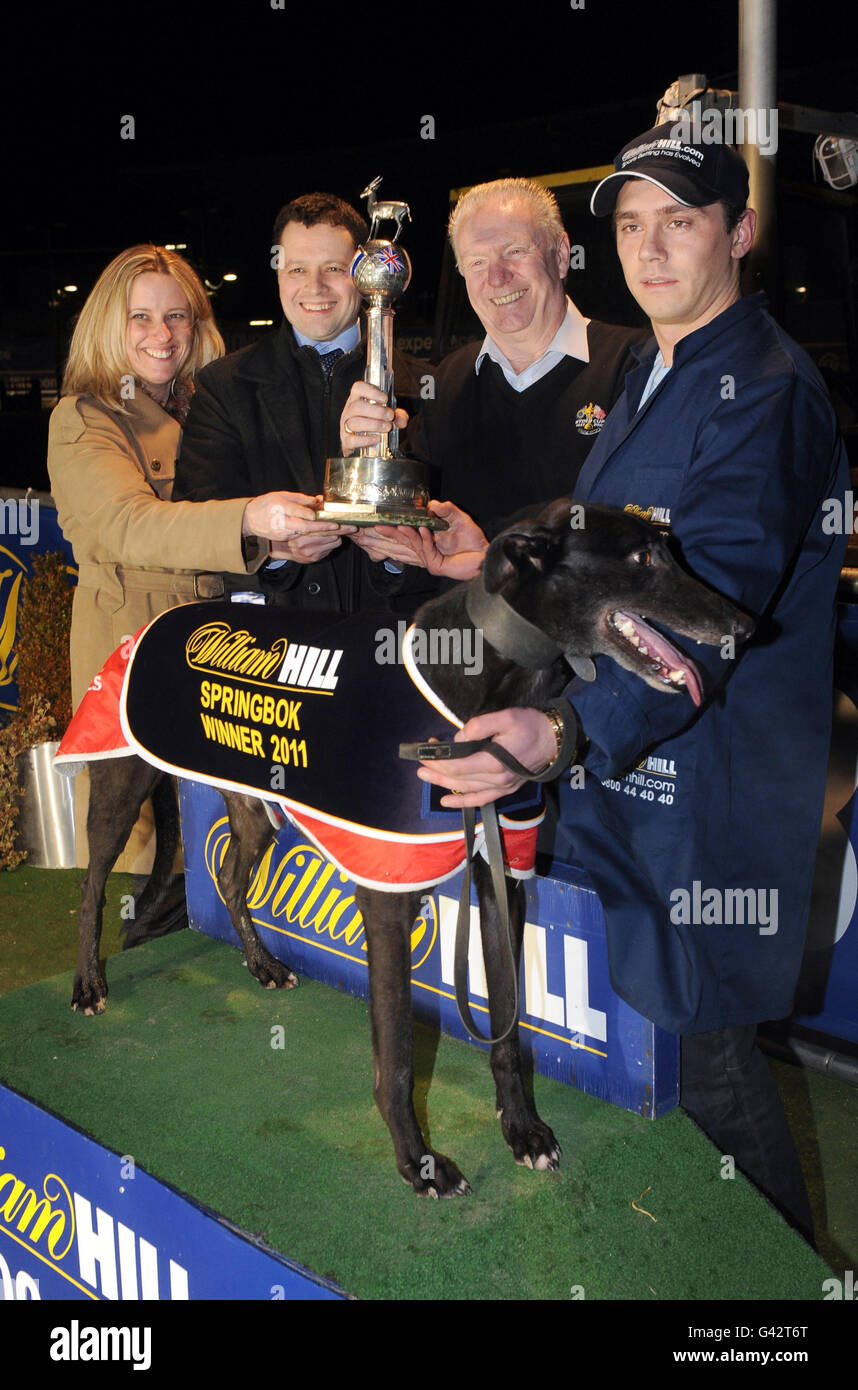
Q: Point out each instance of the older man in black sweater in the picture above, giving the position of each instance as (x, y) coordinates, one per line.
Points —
(512, 419)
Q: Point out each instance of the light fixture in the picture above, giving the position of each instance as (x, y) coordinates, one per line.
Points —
(70, 289)
(837, 157)
(261, 323)
(230, 276)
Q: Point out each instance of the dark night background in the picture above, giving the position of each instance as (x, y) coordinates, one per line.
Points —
(238, 109)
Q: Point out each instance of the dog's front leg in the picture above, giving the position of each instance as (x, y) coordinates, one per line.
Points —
(531, 1141)
(388, 918)
(251, 833)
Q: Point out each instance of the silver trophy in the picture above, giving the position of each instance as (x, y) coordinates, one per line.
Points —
(377, 484)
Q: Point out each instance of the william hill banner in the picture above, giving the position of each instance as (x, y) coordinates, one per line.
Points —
(80, 1222)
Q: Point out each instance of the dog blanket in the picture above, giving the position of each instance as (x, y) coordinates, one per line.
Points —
(307, 712)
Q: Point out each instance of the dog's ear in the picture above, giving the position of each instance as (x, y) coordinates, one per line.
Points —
(514, 553)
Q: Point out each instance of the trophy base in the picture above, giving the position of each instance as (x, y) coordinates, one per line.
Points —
(368, 490)
(365, 514)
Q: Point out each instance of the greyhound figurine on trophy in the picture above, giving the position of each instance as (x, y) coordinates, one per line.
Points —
(377, 484)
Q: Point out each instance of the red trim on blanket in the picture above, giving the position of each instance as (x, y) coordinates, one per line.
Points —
(413, 864)
(95, 730)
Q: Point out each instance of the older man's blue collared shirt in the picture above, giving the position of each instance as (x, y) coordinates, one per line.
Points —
(570, 340)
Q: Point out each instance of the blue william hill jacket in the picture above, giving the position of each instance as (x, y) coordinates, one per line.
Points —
(684, 811)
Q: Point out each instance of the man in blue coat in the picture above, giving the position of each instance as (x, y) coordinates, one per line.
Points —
(699, 826)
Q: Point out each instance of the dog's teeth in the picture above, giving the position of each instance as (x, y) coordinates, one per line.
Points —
(677, 676)
(628, 628)
(635, 641)
(644, 651)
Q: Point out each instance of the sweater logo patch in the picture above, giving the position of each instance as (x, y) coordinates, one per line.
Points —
(590, 419)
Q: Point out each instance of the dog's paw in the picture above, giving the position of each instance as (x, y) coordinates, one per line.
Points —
(533, 1145)
(433, 1175)
(273, 974)
(89, 996)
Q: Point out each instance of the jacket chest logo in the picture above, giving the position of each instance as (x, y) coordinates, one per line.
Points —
(590, 419)
(660, 516)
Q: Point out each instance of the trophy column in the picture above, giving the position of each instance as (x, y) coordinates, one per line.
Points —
(377, 484)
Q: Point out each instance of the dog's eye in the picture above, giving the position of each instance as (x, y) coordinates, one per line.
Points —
(641, 557)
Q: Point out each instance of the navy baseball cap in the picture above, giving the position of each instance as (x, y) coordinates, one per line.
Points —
(692, 174)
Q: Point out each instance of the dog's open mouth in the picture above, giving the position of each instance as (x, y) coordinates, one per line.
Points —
(655, 654)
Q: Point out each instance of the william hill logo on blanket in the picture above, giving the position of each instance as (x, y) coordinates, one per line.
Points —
(281, 702)
(219, 647)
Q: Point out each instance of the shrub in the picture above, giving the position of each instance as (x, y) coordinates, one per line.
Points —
(44, 685)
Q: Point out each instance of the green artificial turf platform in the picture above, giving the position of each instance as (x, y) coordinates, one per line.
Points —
(184, 1072)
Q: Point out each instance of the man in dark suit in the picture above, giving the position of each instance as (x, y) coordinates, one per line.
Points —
(271, 412)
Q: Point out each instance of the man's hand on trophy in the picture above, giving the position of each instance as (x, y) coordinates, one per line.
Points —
(456, 553)
(306, 549)
(399, 544)
(367, 418)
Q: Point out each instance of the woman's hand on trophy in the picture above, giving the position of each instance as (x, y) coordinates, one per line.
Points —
(288, 521)
(367, 418)
(278, 516)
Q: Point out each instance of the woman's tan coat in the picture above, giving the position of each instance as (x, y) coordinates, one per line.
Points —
(111, 478)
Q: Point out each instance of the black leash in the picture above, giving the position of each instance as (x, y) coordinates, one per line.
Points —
(438, 752)
(518, 640)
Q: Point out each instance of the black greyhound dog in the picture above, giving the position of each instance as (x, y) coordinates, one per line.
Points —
(587, 587)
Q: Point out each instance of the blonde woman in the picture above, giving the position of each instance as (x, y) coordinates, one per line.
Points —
(145, 329)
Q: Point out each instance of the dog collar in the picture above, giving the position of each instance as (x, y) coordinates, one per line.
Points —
(514, 637)
(511, 635)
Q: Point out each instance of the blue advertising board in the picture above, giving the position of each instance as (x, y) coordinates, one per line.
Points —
(827, 998)
(573, 1026)
(28, 527)
(80, 1222)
